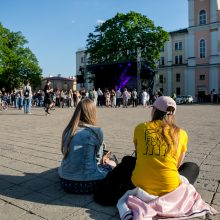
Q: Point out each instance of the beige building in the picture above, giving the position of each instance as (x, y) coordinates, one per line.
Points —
(61, 83)
(173, 63)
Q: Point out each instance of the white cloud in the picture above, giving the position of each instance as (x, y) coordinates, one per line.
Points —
(100, 21)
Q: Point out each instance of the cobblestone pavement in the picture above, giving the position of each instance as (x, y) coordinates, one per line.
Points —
(30, 155)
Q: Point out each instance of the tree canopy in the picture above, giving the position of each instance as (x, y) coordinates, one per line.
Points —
(119, 38)
(17, 62)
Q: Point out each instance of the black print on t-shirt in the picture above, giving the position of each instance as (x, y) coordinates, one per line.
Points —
(154, 143)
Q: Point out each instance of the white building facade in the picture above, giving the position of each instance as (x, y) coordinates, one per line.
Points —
(81, 73)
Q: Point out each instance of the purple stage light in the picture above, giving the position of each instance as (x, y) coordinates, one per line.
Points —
(127, 78)
(123, 79)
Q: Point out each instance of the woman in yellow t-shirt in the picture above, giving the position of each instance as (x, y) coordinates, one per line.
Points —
(160, 147)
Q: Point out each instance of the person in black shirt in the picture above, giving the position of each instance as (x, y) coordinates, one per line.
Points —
(48, 99)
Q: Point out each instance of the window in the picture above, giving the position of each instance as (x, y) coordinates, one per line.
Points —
(176, 59)
(202, 48)
(161, 78)
(177, 90)
(202, 17)
(176, 46)
(162, 60)
(178, 77)
(82, 59)
(202, 77)
(162, 49)
(180, 59)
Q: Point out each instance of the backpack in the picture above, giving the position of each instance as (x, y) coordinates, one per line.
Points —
(26, 92)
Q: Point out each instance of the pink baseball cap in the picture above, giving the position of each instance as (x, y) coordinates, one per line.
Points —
(163, 102)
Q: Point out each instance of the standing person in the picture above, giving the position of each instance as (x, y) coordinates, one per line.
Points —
(95, 96)
(27, 95)
(100, 97)
(107, 98)
(75, 98)
(70, 98)
(62, 98)
(118, 98)
(112, 98)
(145, 98)
(47, 98)
(82, 166)
(125, 97)
(213, 94)
(134, 98)
(20, 99)
(83, 93)
(16, 98)
(57, 97)
(160, 147)
(12, 100)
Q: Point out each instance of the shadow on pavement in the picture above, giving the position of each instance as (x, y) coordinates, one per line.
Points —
(41, 193)
(8, 113)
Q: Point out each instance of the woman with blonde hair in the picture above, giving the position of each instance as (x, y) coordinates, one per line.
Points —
(160, 147)
(82, 148)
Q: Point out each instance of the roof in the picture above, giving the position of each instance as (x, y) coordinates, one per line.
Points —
(59, 78)
(180, 31)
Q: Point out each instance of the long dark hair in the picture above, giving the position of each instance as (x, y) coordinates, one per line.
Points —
(85, 112)
(168, 130)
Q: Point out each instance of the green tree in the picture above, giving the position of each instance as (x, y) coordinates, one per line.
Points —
(118, 38)
(17, 62)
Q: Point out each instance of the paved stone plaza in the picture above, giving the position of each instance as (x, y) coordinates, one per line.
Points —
(30, 155)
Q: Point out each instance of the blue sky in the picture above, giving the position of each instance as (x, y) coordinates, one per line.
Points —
(56, 29)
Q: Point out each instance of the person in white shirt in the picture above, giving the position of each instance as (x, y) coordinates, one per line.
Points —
(145, 98)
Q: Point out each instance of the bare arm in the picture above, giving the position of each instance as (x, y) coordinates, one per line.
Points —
(49, 90)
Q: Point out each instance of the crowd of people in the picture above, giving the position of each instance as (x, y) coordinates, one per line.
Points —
(121, 97)
(25, 98)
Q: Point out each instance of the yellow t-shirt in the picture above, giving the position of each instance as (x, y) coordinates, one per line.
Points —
(156, 169)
